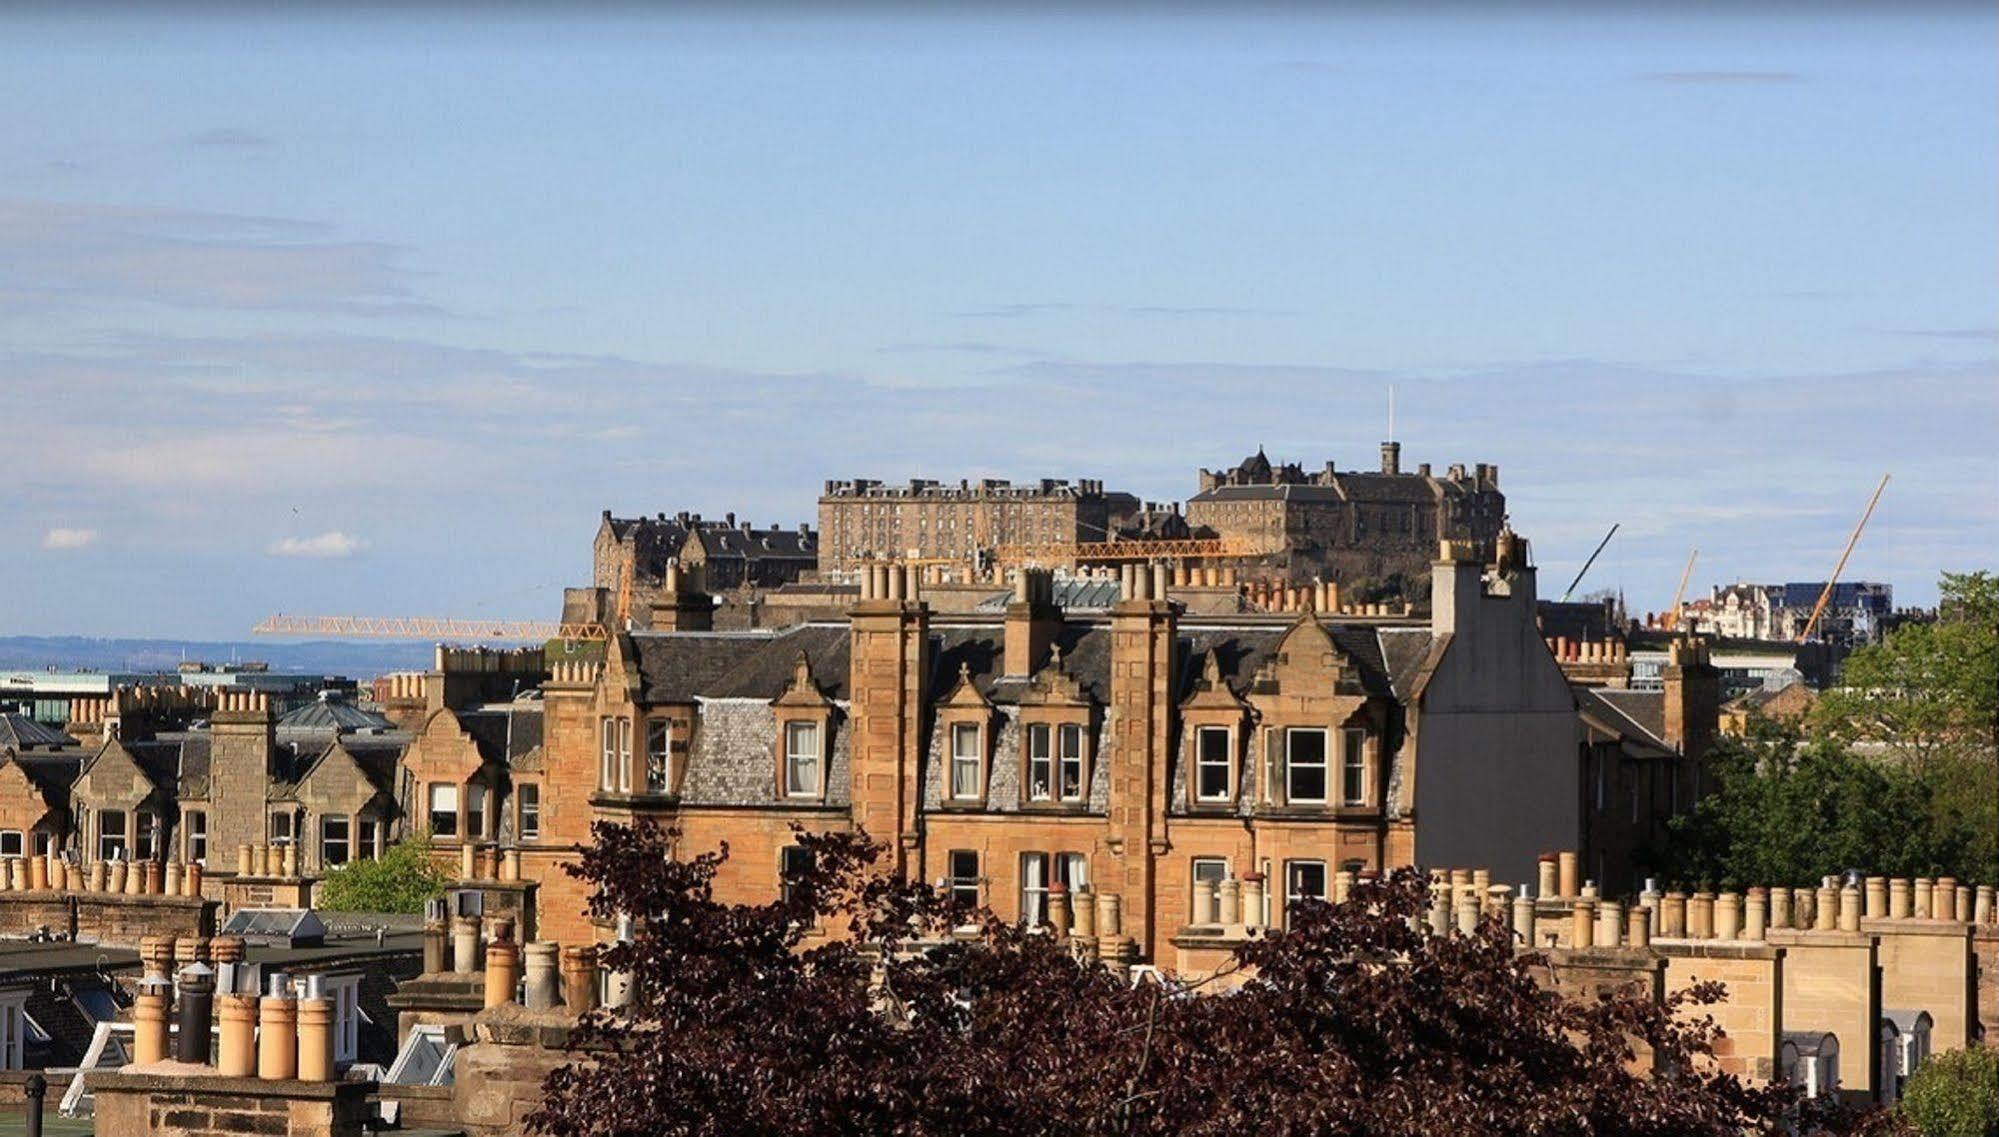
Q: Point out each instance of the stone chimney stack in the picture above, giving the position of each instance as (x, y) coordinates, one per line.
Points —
(1032, 620)
(1391, 457)
(243, 739)
(1693, 697)
(888, 681)
(683, 603)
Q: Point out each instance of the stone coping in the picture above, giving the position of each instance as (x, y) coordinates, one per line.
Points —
(1721, 949)
(50, 895)
(172, 1077)
(1911, 926)
(1812, 937)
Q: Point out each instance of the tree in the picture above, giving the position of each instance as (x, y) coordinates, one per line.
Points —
(1927, 689)
(859, 1004)
(1955, 1095)
(1784, 811)
(400, 880)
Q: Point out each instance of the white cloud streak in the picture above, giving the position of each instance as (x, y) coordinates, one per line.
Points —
(66, 539)
(327, 545)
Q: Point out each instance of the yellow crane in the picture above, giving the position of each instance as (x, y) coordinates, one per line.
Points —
(440, 628)
(1680, 593)
(1825, 595)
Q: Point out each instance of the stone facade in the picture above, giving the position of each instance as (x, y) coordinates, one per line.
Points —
(1350, 527)
(862, 520)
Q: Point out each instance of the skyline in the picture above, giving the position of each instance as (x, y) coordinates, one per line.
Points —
(351, 313)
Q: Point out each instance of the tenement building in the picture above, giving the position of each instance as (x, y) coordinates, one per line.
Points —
(629, 558)
(1137, 748)
(1351, 527)
(862, 520)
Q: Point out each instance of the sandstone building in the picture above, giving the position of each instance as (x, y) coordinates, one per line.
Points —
(1379, 526)
(862, 520)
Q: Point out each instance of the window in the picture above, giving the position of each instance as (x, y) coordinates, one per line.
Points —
(13, 843)
(1073, 870)
(1353, 767)
(475, 810)
(965, 760)
(1214, 870)
(1303, 880)
(964, 879)
(1040, 763)
(659, 756)
(443, 809)
(194, 826)
(111, 835)
(801, 759)
(334, 845)
(149, 831)
(1305, 765)
(281, 828)
(1212, 763)
(625, 755)
(607, 754)
(367, 845)
(1071, 737)
(1033, 889)
(792, 861)
(527, 808)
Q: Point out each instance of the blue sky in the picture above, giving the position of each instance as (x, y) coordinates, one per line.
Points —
(374, 310)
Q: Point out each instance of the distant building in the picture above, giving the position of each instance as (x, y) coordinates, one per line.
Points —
(861, 520)
(1855, 613)
(1348, 527)
(633, 553)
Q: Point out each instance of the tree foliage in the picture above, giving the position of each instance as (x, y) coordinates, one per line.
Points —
(851, 1007)
(1955, 1095)
(1928, 689)
(1784, 811)
(398, 881)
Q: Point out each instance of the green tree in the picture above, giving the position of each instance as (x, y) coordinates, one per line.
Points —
(1787, 812)
(1955, 1095)
(1927, 689)
(399, 881)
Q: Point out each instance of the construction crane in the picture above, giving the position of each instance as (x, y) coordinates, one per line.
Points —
(1680, 593)
(1570, 590)
(1818, 609)
(440, 628)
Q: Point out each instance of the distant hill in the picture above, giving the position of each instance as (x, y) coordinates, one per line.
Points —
(360, 659)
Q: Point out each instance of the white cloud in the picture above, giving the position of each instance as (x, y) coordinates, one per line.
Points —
(331, 543)
(68, 538)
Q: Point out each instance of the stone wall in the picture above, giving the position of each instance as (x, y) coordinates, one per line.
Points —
(103, 918)
(498, 1076)
(174, 1103)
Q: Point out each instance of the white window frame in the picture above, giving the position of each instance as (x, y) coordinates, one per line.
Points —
(194, 834)
(607, 754)
(801, 759)
(1203, 764)
(475, 811)
(327, 842)
(1292, 894)
(1040, 762)
(431, 794)
(659, 756)
(527, 804)
(1291, 764)
(624, 755)
(1353, 767)
(967, 769)
(1033, 889)
(367, 838)
(963, 888)
(1069, 762)
(145, 834)
(111, 846)
(13, 843)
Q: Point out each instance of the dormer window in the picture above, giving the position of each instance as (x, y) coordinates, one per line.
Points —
(1214, 763)
(801, 759)
(967, 760)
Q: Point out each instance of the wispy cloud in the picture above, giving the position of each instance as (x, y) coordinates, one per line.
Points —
(1948, 333)
(61, 256)
(1048, 308)
(232, 138)
(68, 538)
(332, 543)
(1699, 77)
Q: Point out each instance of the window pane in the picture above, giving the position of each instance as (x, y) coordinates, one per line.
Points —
(1211, 869)
(475, 811)
(1305, 765)
(111, 835)
(801, 761)
(1072, 762)
(964, 879)
(1033, 888)
(1040, 764)
(333, 846)
(528, 796)
(659, 742)
(443, 809)
(964, 760)
(1212, 768)
(1353, 782)
(1073, 870)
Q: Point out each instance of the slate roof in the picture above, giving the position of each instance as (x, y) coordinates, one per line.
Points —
(1071, 595)
(756, 544)
(1410, 489)
(679, 667)
(54, 772)
(503, 732)
(19, 732)
(332, 716)
(1643, 713)
(1404, 654)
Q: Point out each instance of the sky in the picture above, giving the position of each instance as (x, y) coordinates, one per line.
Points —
(374, 309)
